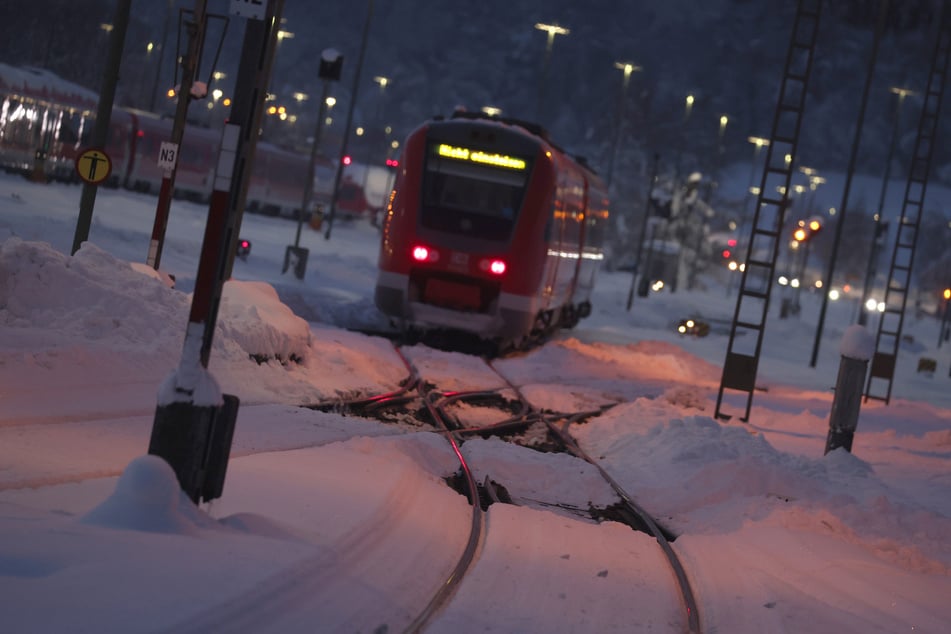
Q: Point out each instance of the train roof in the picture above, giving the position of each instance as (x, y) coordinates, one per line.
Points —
(43, 84)
(530, 127)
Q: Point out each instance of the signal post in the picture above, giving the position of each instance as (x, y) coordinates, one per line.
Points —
(194, 422)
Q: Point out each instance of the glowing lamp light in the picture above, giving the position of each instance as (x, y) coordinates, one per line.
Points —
(346, 160)
(731, 242)
(484, 158)
(243, 248)
(420, 254)
(871, 305)
(947, 293)
(726, 253)
(497, 267)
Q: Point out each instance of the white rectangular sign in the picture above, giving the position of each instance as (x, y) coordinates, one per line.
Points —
(168, 155)
(253, 9)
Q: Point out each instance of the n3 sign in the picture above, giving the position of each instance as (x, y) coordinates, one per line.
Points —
(168, 155)
(253, 9)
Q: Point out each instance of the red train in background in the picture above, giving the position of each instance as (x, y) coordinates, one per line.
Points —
(46, 121)
(490, 229)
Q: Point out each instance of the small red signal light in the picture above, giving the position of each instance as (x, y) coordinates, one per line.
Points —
(243, 248)
(731, 242)
(392, 163)
(726, 253)
(346, 160)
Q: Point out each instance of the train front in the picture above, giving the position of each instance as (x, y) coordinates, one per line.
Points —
(462, 243)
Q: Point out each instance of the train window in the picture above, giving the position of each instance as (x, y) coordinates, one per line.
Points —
(67, 132)
(471, 198)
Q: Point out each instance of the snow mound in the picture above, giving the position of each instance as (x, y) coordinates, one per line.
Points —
(94, 296)
(147, 498)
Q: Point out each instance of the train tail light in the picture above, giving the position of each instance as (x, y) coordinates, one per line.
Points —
(424, 254)
(493, 266)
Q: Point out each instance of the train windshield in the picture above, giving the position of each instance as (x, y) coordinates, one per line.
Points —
(472, 192)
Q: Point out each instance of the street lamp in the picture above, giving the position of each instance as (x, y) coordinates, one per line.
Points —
(383, 82)
(873, 253)
(724, 119)
(627, 68)
(688, 109)
(758, 144)
(552, 30)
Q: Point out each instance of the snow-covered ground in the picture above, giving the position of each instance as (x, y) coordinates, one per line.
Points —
(331, 523)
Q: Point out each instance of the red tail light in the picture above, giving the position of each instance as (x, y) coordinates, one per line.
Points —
(495, 267)
(424, 254)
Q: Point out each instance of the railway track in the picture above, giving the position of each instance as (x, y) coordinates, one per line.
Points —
(503, 411)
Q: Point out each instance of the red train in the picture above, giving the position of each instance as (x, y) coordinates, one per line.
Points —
(490, 229)
(46, 121)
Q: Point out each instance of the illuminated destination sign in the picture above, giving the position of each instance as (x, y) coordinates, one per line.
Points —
(478, 156)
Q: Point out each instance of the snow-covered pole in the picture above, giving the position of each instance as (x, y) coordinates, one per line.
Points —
(194, 421)
(857, 348)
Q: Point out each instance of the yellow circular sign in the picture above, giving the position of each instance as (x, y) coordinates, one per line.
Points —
(93, 166)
